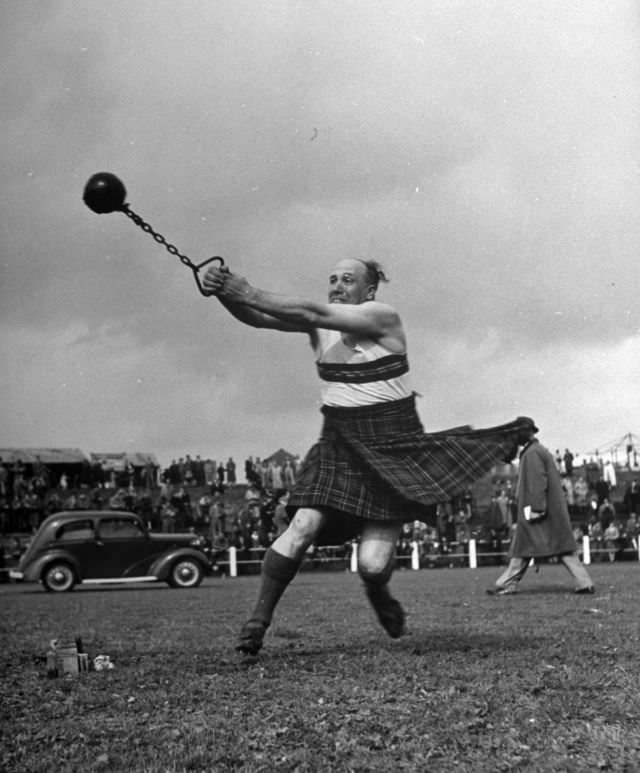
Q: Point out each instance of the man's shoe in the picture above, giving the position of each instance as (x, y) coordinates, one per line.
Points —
(251, 637)
(508, 591)
(584, 591)
(389, 613)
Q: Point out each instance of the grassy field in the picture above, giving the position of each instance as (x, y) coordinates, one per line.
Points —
(540, 681)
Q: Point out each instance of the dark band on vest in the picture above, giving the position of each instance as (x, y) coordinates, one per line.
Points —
(382, 369)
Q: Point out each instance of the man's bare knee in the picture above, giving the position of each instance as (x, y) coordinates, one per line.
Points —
(376, 553)
(374, 575)
(301, 532)
(375, 565)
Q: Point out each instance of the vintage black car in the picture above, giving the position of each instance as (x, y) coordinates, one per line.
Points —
(95, 547)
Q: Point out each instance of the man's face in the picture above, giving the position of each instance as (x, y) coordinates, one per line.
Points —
(348, 283)
(524, 436)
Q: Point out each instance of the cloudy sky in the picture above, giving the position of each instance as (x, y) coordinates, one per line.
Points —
(486, 153)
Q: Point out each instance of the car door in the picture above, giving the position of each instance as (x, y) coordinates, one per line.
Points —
(122, 548)
(76, 538)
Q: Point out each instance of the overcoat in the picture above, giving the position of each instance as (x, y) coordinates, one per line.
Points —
(540, 488)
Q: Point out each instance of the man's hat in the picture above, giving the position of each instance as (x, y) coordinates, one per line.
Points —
(527, 421)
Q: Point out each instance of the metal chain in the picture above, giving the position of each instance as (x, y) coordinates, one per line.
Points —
(158, 237)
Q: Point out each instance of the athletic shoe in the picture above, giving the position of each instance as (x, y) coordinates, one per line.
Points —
(584, 591)
(251, 636)
(507, 591)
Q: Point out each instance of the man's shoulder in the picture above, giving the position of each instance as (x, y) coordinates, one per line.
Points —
(377, 306)
(535, 448)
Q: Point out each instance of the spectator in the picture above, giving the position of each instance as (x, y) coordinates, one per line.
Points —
(4, 480)
(173, 473)
(210, 474)
(606, 513)
(204, 509)
(543, 528)
(633, 531)
(188, 474)
(609, 474)
(580, 494)
(567, 487)
(216, 532)
(596, 536)
(603, 490)
(632, 498)
(231, 472)
(558, 461)
(198, 471)
(568, 463)
(593, 474)
(289, 474)
(612, 540)
(280, 517)
(149, 474)
(167, 517)
(220, 481)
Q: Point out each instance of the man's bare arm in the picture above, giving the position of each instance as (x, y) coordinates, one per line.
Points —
(259, 319)
(371, 319)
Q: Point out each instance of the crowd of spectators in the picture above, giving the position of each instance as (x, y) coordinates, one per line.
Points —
(207, 496)
(190, 494)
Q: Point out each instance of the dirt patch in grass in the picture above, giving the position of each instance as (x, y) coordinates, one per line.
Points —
(540, 681)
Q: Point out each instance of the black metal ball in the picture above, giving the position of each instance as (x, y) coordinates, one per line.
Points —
(104, 192)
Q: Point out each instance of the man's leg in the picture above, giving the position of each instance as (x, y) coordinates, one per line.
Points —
(576, 569)
(375, 566)
(509, 579)
(280, 565)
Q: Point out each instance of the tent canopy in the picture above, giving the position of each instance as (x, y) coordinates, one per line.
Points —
(120, 459)
(44, 455)
(280, 457)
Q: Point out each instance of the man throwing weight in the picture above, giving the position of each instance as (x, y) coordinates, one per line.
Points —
(373, 467)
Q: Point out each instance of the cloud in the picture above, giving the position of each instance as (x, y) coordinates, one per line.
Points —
(580, 394)
(487, 157)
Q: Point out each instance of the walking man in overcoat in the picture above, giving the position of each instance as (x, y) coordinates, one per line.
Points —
(543, 526)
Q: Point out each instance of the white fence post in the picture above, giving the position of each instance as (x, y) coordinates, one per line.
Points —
(233, 562)
(354, 557)
(473, 556)
(415, 556)
(586, 550)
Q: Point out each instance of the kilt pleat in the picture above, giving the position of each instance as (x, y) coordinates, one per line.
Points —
(376, 462)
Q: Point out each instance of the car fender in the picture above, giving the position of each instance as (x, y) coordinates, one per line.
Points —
(161, 567)
(33, 571)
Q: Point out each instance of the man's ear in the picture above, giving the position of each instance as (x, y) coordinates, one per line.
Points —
(371, 293)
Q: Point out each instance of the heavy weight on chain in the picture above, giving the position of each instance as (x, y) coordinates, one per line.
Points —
(104, 193)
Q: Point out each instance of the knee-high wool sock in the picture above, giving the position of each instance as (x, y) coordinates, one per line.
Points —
(376, 584)
(277, 573)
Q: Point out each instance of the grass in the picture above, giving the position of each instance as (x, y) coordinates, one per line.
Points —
(540, 681)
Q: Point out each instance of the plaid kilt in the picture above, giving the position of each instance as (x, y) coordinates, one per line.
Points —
(376, 462)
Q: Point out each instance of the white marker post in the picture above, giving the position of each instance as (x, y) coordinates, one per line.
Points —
(354, 557)
(233, 562)
(473, 556)
(415, 556)
(586, 550)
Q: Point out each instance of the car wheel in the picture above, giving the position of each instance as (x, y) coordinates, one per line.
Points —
(58, 578)
(186, 573)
